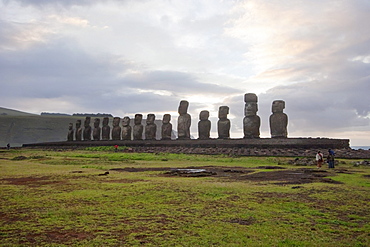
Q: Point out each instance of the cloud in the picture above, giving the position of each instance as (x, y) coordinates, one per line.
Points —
(123, 57)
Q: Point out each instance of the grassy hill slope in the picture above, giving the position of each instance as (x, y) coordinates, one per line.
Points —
(13, 113)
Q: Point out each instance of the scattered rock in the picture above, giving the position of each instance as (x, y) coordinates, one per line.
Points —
(104, 174)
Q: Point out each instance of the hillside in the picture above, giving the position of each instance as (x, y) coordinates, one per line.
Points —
(13, 113)
(18, 128)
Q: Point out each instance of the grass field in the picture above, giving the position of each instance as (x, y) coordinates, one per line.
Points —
(62, 198)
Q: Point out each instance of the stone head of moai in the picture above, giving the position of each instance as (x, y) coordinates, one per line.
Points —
(204, 115)
(251, 106)
(78, 124)
(278, 106)
(166, 118)
(138, 118)
(87, 121)
(183, 107)
(126, 121)
(150, 119)
(116, 121)
(223, 111)
(96, 122)
(105, 121)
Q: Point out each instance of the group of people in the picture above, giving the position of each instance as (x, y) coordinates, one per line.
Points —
(329, 159)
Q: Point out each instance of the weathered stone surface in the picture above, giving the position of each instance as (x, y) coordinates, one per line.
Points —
(138, 127)
(70, 132)
(96, 130)
(184, 121)
(251, 122)
(223, 124)
(126, 129)
(116, 130)
(87, 129)
(166, 127)
(204, 125)
(78, 131)
(106, 129)
(278, 120)
(150, 128)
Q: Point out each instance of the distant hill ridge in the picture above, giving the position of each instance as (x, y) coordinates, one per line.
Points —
(11, 112)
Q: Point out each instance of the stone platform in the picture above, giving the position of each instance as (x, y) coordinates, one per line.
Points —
(286, 143)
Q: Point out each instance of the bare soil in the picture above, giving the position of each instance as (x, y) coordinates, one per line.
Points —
(277, 175)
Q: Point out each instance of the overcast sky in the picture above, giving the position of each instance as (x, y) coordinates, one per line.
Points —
(138, 56)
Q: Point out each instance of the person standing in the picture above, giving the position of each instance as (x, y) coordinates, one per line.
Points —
(319, 159)
(330, 158)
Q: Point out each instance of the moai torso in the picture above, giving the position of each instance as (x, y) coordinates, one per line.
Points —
(278, 120)
(87, 129)
(223, 124)
(150, 128)
(204, 125)
(166, 127)
(78, 131)
(184, 121)
(96, 130)
(138, 127)
(70, 132)
(251, 121)
(106, 129)
(116, 130)
(126, 129)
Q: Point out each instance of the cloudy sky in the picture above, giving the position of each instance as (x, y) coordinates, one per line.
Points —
(139, 56)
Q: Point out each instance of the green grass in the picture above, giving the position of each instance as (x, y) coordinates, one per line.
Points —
(58, 199)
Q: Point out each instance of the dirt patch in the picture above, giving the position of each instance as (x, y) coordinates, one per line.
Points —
(125, 181)
(57, 237)
(244, 222)
(30, 181)
(279, 175)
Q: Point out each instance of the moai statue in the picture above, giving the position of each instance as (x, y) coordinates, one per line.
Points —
(166, 127)
(184, 121)
(204, 125)
(150, 128)
(78, 133)
(70, 132)
(251, 121)
(223, 124)
(87, 129)
(96, 130)
(106, 129)
(116, 130)
(126, 129)
(278, 120)
(138, 127)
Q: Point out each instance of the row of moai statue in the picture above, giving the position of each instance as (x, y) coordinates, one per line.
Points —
(251, 124)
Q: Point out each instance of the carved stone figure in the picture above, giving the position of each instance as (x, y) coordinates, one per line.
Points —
(184, 121)
(223, 124)
(116, 130)
(166, 127)
(70, 132)
(87, 129)
(106, 129)
(204, 125)
(278, 120)
(78, 131)
(126, 129)
(251, 121)
(150, 128)
(96, 130)
(138, 127)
